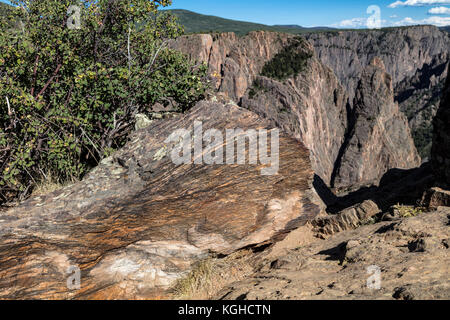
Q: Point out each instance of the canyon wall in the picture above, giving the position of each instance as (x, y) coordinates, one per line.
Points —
(311, 105)
(233, 61)
(415, 57)
(441, 139)
(379, 138)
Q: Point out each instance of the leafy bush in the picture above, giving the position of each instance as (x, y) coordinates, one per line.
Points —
(423, 138)
(255, 89)
(290, 61)
(4, 9)
(407, 211)
(68, 97)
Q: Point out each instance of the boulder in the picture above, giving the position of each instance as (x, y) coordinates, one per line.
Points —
(138, 221)
(347, 219)
(436, 197)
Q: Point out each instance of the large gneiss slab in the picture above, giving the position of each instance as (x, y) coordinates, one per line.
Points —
(138, 221)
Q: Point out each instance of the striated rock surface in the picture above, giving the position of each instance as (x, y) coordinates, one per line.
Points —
(415, 56)
(436, 197)
(348, 219)
(380, 138)
(410, 256)
(137, 222)
(441, 139)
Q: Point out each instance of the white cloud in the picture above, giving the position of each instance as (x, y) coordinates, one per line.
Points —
(393, 16)
(439, 10)
(417, 3)
(437, 21)
(357, 23)
(404, 21)
(352, 23)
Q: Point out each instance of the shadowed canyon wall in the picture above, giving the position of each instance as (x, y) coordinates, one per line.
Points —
(441, 139)
(415, 57)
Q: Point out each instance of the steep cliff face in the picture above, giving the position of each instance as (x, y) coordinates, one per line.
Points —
(310, 105)
(415, 57)
(380, 138)
(441, 139)
(233, 61)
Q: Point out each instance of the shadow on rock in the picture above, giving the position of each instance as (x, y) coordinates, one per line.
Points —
(396, 186)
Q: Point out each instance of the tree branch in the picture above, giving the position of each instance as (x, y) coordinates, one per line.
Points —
(36, 62)
(49, 81)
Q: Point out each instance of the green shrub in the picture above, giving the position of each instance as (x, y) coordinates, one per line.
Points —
(289, 62)
(407, 211)
(68, 96)
(255, 89)
(423, 138)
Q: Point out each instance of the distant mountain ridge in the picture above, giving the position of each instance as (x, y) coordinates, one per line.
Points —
(296, 26)
(199, 23)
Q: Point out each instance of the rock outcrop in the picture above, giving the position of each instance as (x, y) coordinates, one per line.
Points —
(441, 139)
(348, 219)
(404, 51)
(435, 198)
(379, 138)
(137, 222)
(416, 57)
(403, 260)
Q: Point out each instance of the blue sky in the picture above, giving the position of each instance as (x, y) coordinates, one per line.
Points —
(334, 13)
(342, 13)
